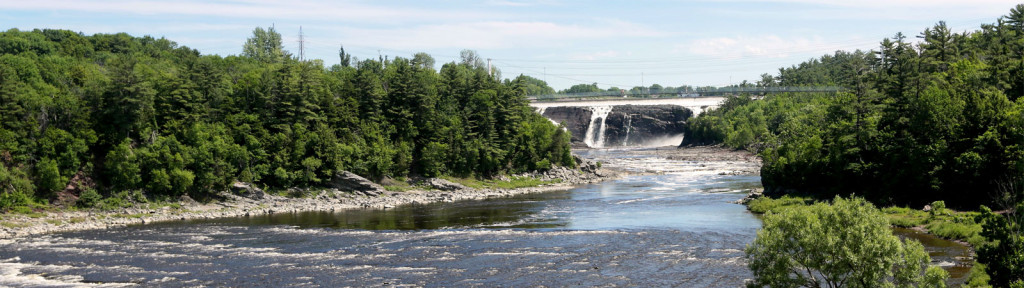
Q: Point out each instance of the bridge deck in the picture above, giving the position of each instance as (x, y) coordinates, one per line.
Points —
(685, 102)
(676, 94)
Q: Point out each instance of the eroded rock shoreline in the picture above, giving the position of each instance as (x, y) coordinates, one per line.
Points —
(239, 204)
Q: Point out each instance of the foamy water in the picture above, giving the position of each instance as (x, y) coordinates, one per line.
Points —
(675, 229)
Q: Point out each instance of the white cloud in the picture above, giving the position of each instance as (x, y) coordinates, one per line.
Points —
(929, 10)
(896, 3)
(771, 46)
(309, 10)
(496, 34)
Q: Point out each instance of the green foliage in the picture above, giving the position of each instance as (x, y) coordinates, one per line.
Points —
(956, 225)
(50, 180)
(143, 114)
(938, 208)
(977, 277)
(906, 217)
(582, 88)
(764, 205)
(1003, 254)
(88, 198)
(15, 187)
(939, 120)
(511, 183)
(265, 46)
(847, 243)
(119, 200)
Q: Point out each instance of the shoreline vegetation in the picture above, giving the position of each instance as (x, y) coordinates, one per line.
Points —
(244, 200)
(107, 120)
(936, 122)
(934, 219)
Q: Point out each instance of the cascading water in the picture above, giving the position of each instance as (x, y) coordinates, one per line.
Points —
(597, 112)
(540, 110)
(629, 125)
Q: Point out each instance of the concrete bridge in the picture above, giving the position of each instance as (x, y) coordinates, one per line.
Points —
(680, 93)
(620, 118)
(696, 104)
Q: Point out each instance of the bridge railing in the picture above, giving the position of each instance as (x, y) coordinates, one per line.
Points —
(673, 93)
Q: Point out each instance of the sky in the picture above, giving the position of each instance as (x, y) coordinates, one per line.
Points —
(611, 43)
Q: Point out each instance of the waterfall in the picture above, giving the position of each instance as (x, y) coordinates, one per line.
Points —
(597, 112)
(540, 110)
(629, 125)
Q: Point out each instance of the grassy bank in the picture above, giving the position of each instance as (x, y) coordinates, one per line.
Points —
(938, 221)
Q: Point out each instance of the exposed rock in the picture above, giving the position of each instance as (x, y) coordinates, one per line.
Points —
(186, 200)
(585, 165)
(631, 125)
(69, 195)
(247, 190)
(444, 185)
(627, 125)
(576, 120)
(350, 182)
(753, 194)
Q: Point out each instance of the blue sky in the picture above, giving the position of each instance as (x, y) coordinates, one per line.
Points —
(612, 43)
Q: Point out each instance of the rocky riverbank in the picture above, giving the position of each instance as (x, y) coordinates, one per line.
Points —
(245, 200)
(691, 160)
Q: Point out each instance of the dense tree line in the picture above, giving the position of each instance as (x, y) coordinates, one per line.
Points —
(937, 120)
(144, 114)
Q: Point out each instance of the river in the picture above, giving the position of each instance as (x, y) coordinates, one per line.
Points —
(673, 228)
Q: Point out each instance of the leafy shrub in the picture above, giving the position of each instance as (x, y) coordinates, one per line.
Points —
(14, 188)
(88, 198)
(938, 208)
(953, 229)
(765, 204)
(848, 241)
(905, 217)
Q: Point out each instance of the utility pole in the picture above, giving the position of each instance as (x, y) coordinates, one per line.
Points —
(302, 45)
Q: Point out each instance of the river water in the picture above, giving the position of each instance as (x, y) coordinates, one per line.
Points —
(672, 229)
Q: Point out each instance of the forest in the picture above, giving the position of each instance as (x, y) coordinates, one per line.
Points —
(119, 116)
(936, 118)
(918, 121)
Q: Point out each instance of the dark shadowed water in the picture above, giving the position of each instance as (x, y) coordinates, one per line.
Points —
(672, 230)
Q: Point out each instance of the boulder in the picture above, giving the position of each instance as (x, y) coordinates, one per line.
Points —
(248, 190)
(751, 195)
(444, 185)
(350, 182)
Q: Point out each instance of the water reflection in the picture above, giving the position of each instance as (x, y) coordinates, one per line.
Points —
(956, 258)
(522, 211)
(640, 202)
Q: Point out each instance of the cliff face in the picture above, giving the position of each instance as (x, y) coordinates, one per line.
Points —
(630, 125)
(627, 125)
(576, 119)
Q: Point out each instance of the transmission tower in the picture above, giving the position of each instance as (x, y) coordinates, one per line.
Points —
(302, 45)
